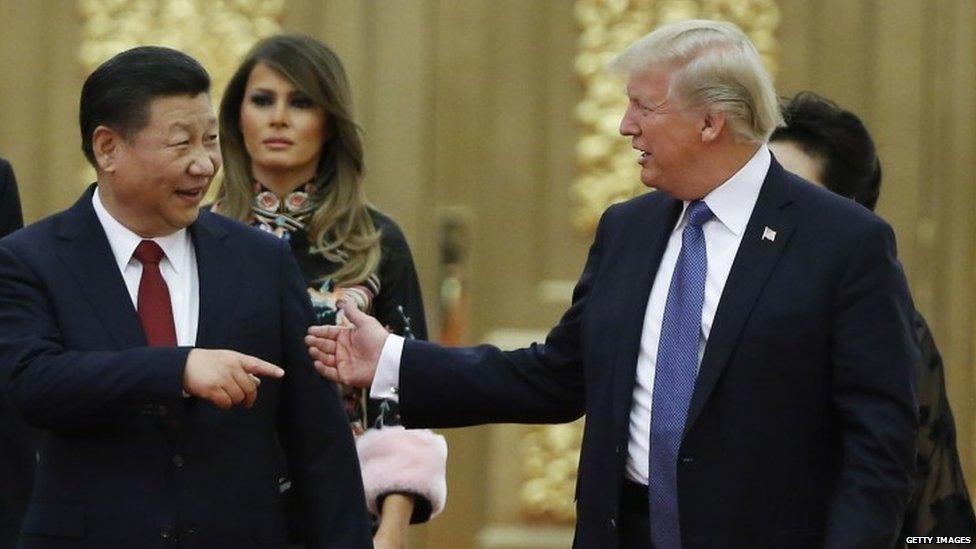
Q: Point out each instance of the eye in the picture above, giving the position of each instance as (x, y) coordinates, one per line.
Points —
(261, 99)
(302, 102)
(183, 143)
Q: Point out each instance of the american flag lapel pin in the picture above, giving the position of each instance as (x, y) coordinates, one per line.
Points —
(769, 234)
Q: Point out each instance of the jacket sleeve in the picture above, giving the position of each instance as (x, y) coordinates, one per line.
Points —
(874, 355)
(315, 434)
(56, 388)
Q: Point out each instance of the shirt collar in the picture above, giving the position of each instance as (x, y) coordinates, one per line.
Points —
(732, 201)
(123, 241)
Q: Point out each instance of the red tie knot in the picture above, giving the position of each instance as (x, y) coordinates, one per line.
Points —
(148, 253)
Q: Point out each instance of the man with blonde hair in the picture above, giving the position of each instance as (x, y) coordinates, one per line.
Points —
(740, 342)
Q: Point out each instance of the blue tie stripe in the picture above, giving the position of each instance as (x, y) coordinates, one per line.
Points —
(674, 376)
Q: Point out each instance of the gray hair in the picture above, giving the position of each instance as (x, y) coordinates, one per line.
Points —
(715, 65)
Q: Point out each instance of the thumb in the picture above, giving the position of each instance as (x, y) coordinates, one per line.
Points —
(353, 314)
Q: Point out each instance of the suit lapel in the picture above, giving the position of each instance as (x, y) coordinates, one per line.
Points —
(85, 252)
(219, 291)
(753, 264)
(646, 243)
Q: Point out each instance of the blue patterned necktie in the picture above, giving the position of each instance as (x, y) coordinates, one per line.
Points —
(674, 376)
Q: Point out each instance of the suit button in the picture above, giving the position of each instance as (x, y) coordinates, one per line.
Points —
(165, 533)
(178, 461)
(686, 460)
(162, 411)
(613, 523)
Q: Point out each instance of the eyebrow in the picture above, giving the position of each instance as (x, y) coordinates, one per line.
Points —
(188, 127)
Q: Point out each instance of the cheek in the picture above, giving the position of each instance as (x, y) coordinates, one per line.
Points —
(249, 125)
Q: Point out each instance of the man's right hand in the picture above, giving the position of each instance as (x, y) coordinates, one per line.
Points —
(226, 378)
(348, 354)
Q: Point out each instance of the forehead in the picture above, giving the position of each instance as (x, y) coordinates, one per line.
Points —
(649, 84)
(181, 111)
(265, 77)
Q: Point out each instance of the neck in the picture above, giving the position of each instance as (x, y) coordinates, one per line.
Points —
(732, 157)
(282, 182)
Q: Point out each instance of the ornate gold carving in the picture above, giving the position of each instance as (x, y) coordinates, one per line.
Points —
(607, 165)
(550, 460)
(215, 32)
(608, 174)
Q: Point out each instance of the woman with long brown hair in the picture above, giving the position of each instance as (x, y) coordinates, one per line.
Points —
(293, 166)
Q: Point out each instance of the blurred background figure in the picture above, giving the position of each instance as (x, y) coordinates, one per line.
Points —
(11, 218)
(831, 147)
(293, 166)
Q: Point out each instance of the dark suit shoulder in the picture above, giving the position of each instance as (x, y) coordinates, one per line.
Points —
(251, 236)
(829, 212)
(34, 236)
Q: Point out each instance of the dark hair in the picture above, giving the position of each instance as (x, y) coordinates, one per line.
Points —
(120, 90)
(341, 228)
(839, 140)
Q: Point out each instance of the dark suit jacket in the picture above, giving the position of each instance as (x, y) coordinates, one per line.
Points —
(11, 217)
(125, 460)
(801, 429)
(17, 440)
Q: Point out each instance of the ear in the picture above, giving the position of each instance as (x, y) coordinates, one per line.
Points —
(105, 144)
(712, 124)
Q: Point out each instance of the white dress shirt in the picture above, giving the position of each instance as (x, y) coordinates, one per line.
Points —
(178, 267)
(731, 203)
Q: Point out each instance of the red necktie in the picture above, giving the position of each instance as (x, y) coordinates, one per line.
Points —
(155, 309)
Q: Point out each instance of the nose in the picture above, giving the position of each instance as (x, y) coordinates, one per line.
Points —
(279, 114)
(627, 124)
(204, 164)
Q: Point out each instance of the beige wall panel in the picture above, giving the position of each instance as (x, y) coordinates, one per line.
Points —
(953, 244)
(38, 103)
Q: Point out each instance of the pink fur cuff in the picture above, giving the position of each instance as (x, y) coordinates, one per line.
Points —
(394, 459)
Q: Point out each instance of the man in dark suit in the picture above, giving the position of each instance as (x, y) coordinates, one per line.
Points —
(135, 332)
(11, 217)
(740, 341)
(17, 441)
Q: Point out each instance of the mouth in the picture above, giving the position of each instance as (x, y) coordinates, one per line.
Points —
(277, 143)
(644, 155)
(193, 196)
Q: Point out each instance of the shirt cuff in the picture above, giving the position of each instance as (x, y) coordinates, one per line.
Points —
(386, 382)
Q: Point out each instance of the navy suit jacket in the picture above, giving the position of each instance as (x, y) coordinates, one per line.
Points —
(801, 429)
(125, 459)
(17, 440)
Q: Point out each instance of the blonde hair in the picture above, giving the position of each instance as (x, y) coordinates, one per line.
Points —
(714, 65)
(341, 227)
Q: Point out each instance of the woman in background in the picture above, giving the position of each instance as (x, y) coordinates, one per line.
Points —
(293, 166)
(830, 147)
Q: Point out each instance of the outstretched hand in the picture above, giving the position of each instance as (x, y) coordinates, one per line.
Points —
(348, 354)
